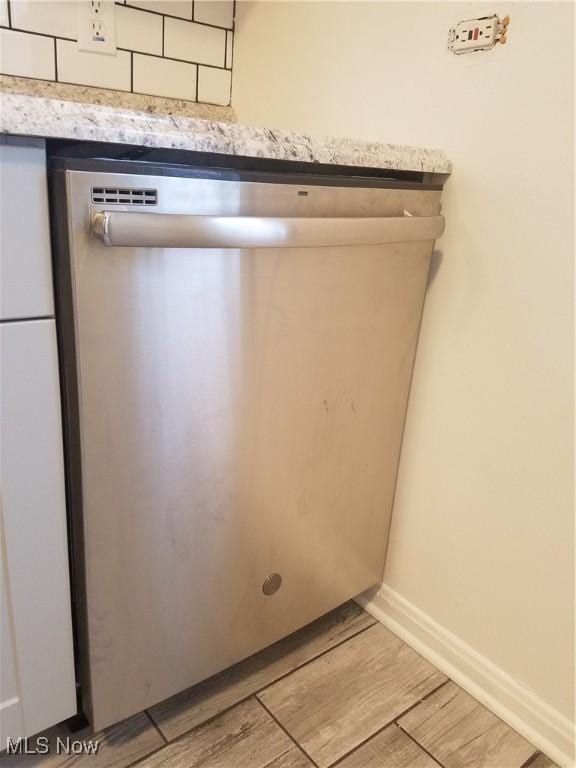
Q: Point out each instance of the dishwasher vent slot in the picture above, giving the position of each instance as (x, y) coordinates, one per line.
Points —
(119, 196)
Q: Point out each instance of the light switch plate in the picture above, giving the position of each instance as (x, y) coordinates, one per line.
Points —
(96, 26)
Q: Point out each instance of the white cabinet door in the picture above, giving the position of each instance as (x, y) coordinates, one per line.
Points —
(36, 614)
(25, 262)
(11, 716)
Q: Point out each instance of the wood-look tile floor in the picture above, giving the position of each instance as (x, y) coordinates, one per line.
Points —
(342, 691)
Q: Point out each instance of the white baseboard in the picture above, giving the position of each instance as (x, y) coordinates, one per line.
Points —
(545, 727)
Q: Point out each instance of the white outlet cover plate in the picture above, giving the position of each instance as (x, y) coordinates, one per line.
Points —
(96, 21)
(480, 34)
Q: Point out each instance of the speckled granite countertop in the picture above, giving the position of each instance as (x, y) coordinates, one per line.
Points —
(104, 97)
(87, 114)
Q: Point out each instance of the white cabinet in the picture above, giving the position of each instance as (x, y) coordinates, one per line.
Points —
(25, 263)
(11, 716)
(37, 681)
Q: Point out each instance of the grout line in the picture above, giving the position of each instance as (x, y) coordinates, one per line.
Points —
(131, 72)
(531, 759)
(231, 79)
(126, 50)
(41, 34)
(154, 723)
(149, 754)
(74, 101)
(166, 58)
(424, 698)
(314, 658)
(26, 319)
(232, 49)
(389, 723)
(188, 101)
(186, 734)
(163, 34)
(420, 745)
(9, 13)
(292, 739)
(81, 85)
(107, 88)
(155, 13)
(55, 60)
(158, 749)
(26, 77)
(177, 18)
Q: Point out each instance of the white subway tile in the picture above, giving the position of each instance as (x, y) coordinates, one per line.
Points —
(4, 13)
(218, 12)
(181, 8)
(164, 77)
(87, 68)
(229, 48)
(26, 55)
(194, 42)
(138, 30)
(51, 17)
(214, 85)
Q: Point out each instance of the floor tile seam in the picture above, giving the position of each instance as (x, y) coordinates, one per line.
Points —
(387, 725)
(181, 736)
(255, 692)
(298, 746)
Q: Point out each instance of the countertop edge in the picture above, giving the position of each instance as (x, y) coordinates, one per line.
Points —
(32, 115)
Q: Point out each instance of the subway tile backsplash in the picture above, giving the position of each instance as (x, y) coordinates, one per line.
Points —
(56, 18)
(213, 85)
(194, 42)
(165, 77)
(172, 48)
(138, 31)
(180, 8)
(86, 68)
(26, 55)
(217, 12)
(229, 49)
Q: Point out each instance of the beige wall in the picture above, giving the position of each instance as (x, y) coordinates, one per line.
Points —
(482, 539)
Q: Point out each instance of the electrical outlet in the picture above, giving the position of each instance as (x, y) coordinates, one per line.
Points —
(98, 32)
(96, 26)
(479, 34)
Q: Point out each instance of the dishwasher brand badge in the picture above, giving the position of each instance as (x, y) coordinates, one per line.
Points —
(42, 745)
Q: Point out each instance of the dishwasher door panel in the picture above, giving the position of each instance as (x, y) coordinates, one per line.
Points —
(240, 415)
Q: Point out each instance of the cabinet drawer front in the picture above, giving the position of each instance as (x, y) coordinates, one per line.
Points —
(34, 522)
(25, 264)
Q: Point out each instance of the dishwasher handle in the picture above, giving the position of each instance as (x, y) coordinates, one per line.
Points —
(173, 230)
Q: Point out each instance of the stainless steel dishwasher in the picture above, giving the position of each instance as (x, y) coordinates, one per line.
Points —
(236, 356)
